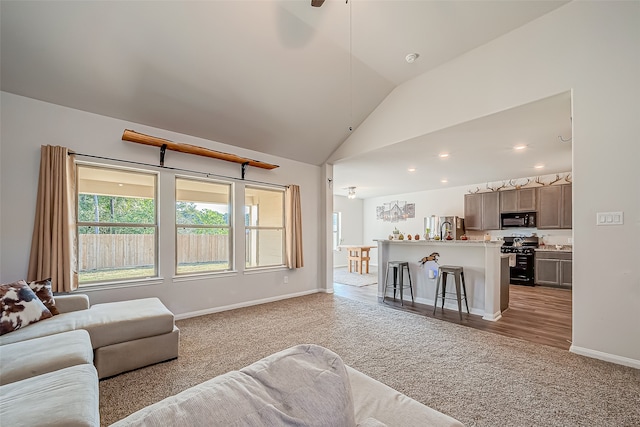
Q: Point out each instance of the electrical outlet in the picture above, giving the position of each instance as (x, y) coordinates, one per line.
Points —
(609, 218)
(286, 279)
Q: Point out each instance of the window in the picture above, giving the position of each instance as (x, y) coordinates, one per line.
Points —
(264, 227)
(203, 226)
(117, 224)
(337, 230)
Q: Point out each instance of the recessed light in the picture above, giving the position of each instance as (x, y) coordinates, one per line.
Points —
(539, 166)
(411, 169)
(444, 181)
(520, 147)
(120, 185)
(443, 155)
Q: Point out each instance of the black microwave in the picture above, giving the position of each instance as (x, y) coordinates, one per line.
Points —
(520, 219)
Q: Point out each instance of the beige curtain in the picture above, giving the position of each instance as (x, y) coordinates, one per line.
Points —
(53, 246)
(293, 227)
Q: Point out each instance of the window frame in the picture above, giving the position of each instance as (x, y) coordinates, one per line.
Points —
(102, 284)
(229, 226)
(336, 221)
(249, 228)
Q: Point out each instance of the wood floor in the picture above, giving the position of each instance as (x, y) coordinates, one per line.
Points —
(537, 314)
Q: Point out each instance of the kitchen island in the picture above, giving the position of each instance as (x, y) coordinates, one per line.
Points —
(482, 263)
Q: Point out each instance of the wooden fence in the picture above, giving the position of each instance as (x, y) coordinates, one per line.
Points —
(103, 251)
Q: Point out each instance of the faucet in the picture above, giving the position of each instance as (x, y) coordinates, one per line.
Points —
(450, 227)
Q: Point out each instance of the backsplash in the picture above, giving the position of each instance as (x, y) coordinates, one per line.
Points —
(550, 237)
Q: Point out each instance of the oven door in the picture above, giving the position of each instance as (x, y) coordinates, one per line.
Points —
(522, 272)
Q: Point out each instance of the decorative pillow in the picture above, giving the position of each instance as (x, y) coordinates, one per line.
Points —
(19, 307)
(42, 289)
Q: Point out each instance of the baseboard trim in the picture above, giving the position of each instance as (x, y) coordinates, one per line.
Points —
(607, 357)
(492, 317)
(244, 304)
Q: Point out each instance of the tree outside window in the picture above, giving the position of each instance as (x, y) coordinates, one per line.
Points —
(203, 226)
(117, 224)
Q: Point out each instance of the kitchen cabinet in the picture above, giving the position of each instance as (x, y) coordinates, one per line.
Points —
(521, 200)
(554, 207)
(473, 211)
(553, 268)
(482, 211)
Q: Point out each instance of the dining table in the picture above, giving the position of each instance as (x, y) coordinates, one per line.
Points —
(358, 257)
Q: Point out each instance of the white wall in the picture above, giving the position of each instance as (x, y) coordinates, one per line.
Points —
(27, 124)
(590, 48)
(447, 201)
(352, 228)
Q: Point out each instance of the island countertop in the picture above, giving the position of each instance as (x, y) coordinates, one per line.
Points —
(480, 259)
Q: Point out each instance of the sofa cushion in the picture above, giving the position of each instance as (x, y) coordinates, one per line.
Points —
(371, 422)
(107, 324)
(38, 356)
(67, 397)
(304, 385)
(42, 289)
(20, 307)
(373, 399)
(125, 356)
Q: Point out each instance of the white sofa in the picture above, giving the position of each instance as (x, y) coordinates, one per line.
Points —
(124, 335)
(49, 381)
(306, 385)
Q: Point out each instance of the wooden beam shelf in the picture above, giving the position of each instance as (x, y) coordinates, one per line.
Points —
(165, 144)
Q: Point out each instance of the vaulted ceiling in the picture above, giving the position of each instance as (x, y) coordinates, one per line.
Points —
(279, 77)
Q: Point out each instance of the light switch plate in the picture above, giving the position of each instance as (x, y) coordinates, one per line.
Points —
(609, 218)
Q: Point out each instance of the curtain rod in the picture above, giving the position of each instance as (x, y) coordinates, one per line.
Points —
(207, 174)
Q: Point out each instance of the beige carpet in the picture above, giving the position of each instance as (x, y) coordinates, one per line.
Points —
(342, 275)
(481, 379)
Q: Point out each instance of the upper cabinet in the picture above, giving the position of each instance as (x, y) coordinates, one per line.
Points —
(522, 200)
(473, 211)
(554, 206)
(482, 211)
(552, 203)
(491, 211)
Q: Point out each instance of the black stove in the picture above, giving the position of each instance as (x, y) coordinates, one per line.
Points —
(522, 263)
(516, 250)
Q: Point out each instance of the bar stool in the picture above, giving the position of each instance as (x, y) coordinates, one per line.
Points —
(398, 267)
(458, 274)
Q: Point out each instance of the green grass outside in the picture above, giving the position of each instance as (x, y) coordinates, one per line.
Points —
(202, 267)
(116, 274)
